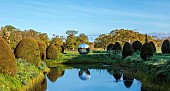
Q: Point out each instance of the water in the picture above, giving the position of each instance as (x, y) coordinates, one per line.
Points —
(77, 79)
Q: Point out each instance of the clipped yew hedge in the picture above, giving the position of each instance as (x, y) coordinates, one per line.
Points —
(28, 49)
(53, 52)
(8, 62)
(137, 45)
(127, 50)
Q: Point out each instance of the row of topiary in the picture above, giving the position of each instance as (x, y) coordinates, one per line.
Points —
(146, 50)
(28, 49)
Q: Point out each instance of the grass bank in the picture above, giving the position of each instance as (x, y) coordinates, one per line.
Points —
(27, 76)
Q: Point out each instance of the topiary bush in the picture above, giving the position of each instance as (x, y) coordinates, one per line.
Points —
(137, 45)
(117, 46)
(110, 46)
(127, 50)
(28, 49)
(8, 62)
(52, 52)
(153, 46)
(146, 51)
(62, 49)
(42, 48)
(165, 46)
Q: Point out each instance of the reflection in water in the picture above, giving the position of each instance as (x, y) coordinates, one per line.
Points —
(44, 85)
(128, 81)
(84, 74)
(117, 74)
(54, 74)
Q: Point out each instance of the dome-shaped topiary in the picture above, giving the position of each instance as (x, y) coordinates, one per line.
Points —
(117, 46)
(153, 46)
(165, 46)
(28, 49)
(8, 62)
(110, 46)
(146, 51)
(137, 45)
(52, 52)
(127, 50)
(42, 48)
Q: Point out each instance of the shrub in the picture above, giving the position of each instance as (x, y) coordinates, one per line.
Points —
(42, 48)
(146, 51)
(52, 52)
(165, 46)
(62, 49)
(117, 46)
(7, 59)
(110, 46)
(153, 46)
(137, 45)
(127, 50)
(28, 49)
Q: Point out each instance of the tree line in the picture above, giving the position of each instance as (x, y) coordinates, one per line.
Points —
(14, 35)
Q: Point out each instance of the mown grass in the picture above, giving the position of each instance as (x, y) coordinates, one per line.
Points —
(25, 73)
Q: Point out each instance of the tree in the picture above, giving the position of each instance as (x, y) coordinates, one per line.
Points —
(71, 32)
(82, 38)
(71, 42)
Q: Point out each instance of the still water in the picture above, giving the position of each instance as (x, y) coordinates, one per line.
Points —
(76, 79)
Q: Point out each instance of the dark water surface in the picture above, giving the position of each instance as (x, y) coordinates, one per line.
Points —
(77, 79)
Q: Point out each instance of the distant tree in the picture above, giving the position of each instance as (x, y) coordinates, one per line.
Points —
(71, 42)
(82, 38)
(71, 32)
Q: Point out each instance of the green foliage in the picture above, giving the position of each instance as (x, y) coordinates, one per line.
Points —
(165, 46)
(146, 51)
(52, 52)
(28, 49)
(25, 73)
(137, 45)
(42, 48)
(82, 38)
(71, 42)
(127, 50)
(7, 59)
(71, 32)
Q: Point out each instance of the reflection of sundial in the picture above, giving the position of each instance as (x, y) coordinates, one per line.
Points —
(83, 49)
(84, 74)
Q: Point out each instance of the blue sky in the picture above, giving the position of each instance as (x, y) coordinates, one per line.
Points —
(86, 16)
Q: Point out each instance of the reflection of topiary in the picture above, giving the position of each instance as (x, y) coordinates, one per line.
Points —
(52, 52)
(146, 51)
(128, 81)
(165, 46)
(28, 49)
(153, 46)
(42, 48)
(110, 46)
(127, 49)
(7, 59)
(137, 45)
(54, 74)
(117, 46)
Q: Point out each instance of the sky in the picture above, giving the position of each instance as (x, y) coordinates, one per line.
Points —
(90, 17)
